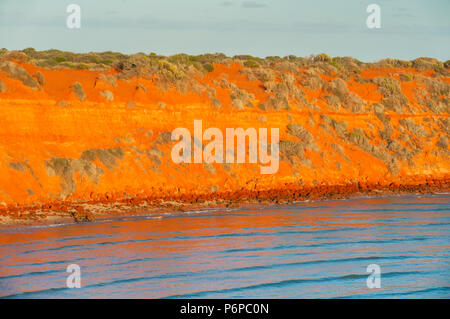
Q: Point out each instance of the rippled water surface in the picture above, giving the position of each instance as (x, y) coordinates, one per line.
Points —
(305, 250)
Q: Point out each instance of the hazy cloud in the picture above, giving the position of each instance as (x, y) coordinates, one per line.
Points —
(403, 13)
(253, 4)
(227, 3)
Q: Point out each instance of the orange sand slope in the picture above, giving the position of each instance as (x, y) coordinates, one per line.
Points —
(92, 135)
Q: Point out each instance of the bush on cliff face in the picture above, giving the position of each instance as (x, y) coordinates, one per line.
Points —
(292, 149)
(333, 101)
(216, 103)
(435, 86)
(393, 96)
(400, 152)
(240, 97)
(385, 134)
(340, 151)
(280, 98)
(415, 129)
(406, 77)
(2, 87)
(437, 99)
(359, 138)
(14, 56)
(77, 88)
(339, 127)
(291, 88)
(284, 91)
(108, 157)
(341, 93)
(339, 88)
(264, 75)
(39, 77)
(17, 72)
(437, 107)
(444, 125)
(302, 134)
(65, 169)
(280, 102)
(106, 80)
(237, 104)
(108, 95)
(388, 86)
(312, 81)
(378, 108)
(443, 142)
(424, 63)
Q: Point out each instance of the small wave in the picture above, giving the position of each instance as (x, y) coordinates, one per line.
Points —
(278, 284)
(33, 293)
(30, 274)
(313, 262)
(414, 293)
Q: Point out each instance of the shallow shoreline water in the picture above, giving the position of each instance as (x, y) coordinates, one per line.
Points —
(68, 211)
(316, 249)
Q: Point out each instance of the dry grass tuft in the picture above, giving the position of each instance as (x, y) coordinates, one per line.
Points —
(77, 88)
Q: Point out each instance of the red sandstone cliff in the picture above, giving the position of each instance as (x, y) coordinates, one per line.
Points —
(78, 135)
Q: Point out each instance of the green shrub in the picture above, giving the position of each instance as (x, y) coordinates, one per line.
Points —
(406, 77)
(208, 67)
(424, 63)
(323, 57)
(59, 59)
(334, 63)
(251, 64)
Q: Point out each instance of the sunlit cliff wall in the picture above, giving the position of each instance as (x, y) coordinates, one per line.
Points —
(105, 133)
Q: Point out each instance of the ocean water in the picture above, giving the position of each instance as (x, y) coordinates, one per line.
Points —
(305, 250)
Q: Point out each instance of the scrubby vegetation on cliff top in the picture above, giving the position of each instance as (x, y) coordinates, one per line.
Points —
(181, 63)
(284, 79)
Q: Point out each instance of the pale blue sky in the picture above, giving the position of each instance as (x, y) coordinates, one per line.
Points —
(410, 28)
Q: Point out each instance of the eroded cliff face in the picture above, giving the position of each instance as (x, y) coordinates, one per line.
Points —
(99, 135)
